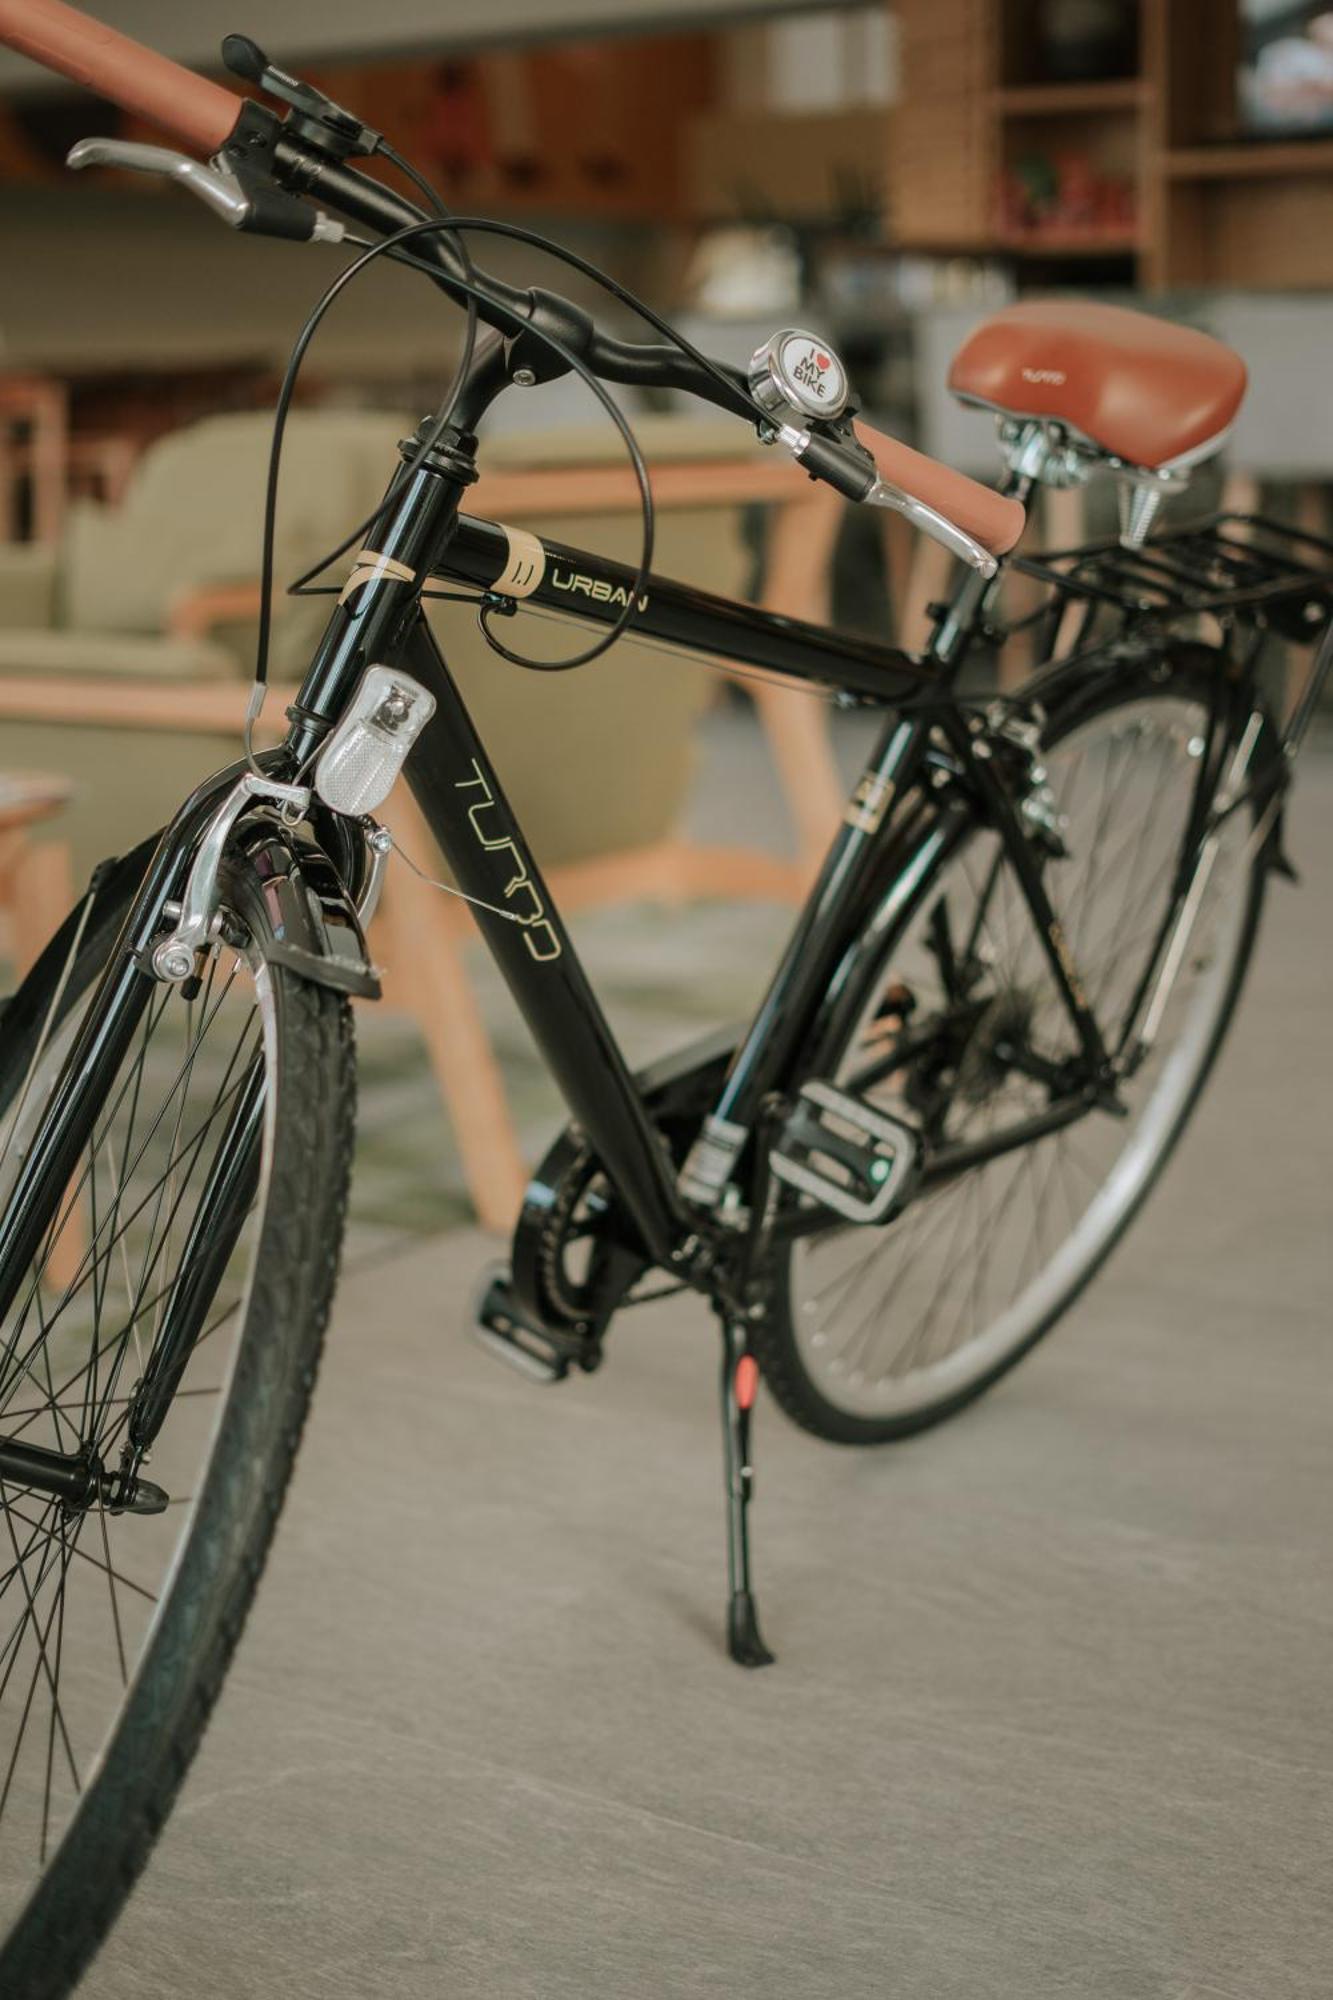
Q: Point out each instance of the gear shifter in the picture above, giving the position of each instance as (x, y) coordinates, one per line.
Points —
(315, 117)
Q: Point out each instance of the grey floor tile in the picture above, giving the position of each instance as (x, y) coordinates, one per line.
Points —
(1051, 1715)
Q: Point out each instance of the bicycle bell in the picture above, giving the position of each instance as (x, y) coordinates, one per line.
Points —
(797, 373)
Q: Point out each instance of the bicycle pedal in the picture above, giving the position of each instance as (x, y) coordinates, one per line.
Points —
(505, 1329)
(844, 1154)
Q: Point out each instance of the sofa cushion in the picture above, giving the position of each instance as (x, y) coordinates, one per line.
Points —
(27, 583)
(33, 652)
(193, 513)
(128, 781)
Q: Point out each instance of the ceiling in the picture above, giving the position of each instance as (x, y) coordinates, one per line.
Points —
(191, 30)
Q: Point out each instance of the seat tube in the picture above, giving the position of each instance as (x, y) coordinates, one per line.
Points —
(837, 907)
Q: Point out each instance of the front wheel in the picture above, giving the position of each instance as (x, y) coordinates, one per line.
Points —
(180, 1294)
(876, 1333)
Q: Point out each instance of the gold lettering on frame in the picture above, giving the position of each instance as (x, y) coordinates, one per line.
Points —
(539, 935)
(575, 584)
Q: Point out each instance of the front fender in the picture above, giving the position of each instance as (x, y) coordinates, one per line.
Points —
(303, 898)
(309, 917)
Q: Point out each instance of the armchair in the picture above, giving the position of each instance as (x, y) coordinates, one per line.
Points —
(97, 631)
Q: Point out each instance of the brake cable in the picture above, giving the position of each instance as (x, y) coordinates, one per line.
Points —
(390, 246)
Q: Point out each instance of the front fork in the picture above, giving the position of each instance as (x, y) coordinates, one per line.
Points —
(101, 1045)
(219, 1217)
(67, 1126)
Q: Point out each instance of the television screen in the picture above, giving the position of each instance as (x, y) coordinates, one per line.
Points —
(1285, 80)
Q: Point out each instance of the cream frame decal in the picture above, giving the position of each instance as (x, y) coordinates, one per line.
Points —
(535, 921)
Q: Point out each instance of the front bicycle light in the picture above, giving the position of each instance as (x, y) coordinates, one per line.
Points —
(361, 760)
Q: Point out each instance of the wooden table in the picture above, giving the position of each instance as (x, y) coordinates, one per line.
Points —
(35, 887)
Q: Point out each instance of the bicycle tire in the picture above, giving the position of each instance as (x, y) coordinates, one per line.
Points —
(778, 1344)
(219, 1561)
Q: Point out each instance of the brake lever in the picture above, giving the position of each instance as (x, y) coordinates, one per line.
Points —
(216, 186)
(929, 521)
(259, 209)
(850, 470)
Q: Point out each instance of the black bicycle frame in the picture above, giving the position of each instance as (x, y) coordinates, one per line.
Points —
(463, 800)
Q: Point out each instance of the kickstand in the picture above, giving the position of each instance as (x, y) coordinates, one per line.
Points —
(740, 1381)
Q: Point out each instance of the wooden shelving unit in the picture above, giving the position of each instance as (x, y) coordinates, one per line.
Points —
(1208, 207)
(1059, 100)
(592, 128)
(1254, 161)
(1072, 243)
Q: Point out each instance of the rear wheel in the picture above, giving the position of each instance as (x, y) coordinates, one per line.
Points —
(877, 1333)
(116, 1626)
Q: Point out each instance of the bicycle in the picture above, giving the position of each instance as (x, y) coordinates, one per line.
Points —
(988, 1029)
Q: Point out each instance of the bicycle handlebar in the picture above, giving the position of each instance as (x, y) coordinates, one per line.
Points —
(201, 114)
(506, 307)
(976, 523)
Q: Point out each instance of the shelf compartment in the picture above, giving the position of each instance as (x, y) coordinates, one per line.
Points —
(1268, 232)
(1060, 100)
(1069, 242)
(1256, 160)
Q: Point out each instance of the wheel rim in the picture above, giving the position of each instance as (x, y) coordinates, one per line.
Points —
(889, 1328)
(81, 1589)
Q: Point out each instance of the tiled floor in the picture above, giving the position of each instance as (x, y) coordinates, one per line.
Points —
(1052, 1709)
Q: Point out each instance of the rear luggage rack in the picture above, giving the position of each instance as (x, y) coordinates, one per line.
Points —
(1230, 563)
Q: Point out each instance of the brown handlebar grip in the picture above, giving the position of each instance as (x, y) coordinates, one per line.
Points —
(988, 517)
(201, 114)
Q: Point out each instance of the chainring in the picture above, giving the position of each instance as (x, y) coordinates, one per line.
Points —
(570, 1213)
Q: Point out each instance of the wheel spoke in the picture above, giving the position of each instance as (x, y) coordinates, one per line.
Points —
(977, 1265)
(195, 1140)
(115, 1601)
(79, 1602)
(43, 1665)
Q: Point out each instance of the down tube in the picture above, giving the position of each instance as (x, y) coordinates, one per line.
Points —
(465, 807)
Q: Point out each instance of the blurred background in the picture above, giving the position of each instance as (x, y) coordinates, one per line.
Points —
(888, 173)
